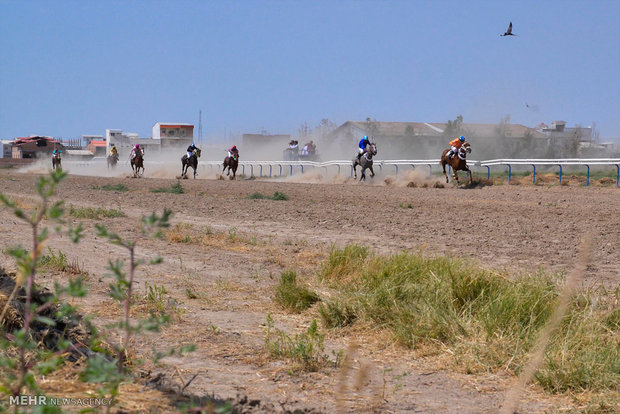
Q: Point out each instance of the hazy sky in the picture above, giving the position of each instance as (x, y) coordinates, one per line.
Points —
(69, 68)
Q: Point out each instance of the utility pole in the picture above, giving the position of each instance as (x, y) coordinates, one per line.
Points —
(200, 127)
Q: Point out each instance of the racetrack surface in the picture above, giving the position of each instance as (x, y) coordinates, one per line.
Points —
(517, 228)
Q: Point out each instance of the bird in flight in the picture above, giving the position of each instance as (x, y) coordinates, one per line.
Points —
(509, 31)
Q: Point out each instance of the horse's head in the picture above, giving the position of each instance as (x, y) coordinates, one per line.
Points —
(467, 147)
(372, 148)
(197, 152)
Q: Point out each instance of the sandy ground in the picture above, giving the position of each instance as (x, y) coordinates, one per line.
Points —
(517, 228)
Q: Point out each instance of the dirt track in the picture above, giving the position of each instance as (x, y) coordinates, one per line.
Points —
(519, 228)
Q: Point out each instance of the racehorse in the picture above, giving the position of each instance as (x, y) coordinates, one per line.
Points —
(457, 162)
(192, 161)
(56, 162)
(137, 163)
(232, 163)
(112, 160)
(365, 161)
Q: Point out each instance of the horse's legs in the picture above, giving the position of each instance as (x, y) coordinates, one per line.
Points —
(443, 165)
(470, 174)
(354, 170)
(372, 172)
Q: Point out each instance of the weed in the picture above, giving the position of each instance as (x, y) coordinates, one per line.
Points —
(232, 233)
(293, 297)
(276, 196)
(402, 205)
(119, 188)
(486, 321)
(173, 189)
(94, 213)
(55, 262)
(306, 349)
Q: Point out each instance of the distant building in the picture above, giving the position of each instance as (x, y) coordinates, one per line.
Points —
(5, 148)
(34, 147)
(86, 139)
(97, 148)
(417, 140)
(173, 134)
(125, 141)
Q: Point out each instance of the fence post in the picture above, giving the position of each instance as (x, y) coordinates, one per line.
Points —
(534, 174)
(588, 176)
(261, 170)
(396, 166)
(509, 173)
(430, 171)
(291, 168)
(251, 170)
(243, 169)
(617, 174)
(488, 172)
(560, 182)
(302, 168)
(280, 165)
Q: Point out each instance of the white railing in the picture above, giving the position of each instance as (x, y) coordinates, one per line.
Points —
(271, 168)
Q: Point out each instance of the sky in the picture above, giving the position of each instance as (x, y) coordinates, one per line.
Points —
(69, 68)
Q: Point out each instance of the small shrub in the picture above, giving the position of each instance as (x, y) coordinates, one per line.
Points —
(52, 261)
(293, 297)
(306, 349)
(94, 213)
(173, 189)
(276, 196)
(119, 188)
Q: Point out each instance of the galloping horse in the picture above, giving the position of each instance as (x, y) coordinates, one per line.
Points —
(232, 163)
(457, 162)
(56, 162)
(190, 162)
(137, 163)
(112, 160)
(365, 161)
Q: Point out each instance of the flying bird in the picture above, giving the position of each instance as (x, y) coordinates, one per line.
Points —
(509, 31)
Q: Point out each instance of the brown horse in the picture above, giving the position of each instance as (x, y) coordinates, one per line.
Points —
(190, 162)
(56, 161)
(112, 160)
(457, 162)
(137, 163)
(232, 163)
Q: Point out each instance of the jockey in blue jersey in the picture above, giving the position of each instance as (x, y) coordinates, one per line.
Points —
(191, 149)
(364, 142)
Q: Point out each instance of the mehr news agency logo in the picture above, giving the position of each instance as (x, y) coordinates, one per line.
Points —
(43, 400)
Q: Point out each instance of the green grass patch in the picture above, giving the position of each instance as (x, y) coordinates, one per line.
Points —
(293, 297)
(120, 188)
(58, 262)
(306, 349)
(94, 213)
(173, 189)
(276, 196)
(485, 320)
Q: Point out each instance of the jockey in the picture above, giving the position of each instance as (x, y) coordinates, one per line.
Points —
(455, 144)
(364, 142)
(56, 153)
(191, 149)
(135, 151)
(113, 151)
(233, 151)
